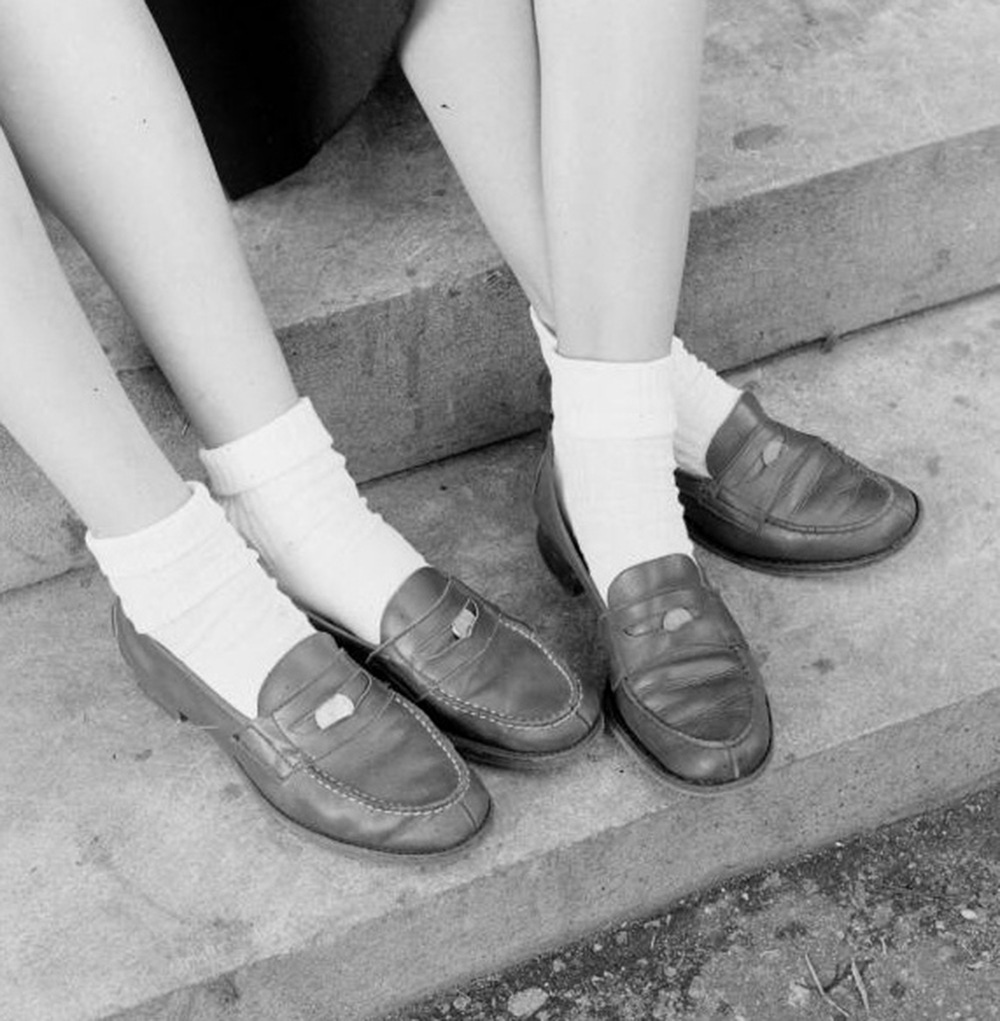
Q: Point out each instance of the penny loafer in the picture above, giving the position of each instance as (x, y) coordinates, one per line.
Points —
(786, 502)
(685, 692)
(482, 677)
(332, 749)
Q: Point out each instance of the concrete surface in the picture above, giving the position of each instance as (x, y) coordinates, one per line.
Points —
(847, 174)
(902, 924)
(139, 877)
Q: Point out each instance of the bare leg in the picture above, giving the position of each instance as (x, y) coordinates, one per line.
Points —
(99, 119)
(58, 396)
(474, 67)
(619, 115)
(601, 140)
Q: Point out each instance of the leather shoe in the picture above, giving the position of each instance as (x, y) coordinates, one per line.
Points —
(332, 749)
(786, 502)
(685, 693)
(482, 677)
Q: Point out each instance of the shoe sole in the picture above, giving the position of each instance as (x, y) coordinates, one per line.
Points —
(807, 568)
(358, 852)
(523, 762)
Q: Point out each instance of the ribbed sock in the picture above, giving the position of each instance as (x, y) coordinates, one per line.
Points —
(613, 434)
(702, 398)
(193, 584)
(288, 492)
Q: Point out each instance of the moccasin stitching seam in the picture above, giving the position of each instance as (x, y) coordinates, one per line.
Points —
(435, 693)
(318, 774)
(434, 689)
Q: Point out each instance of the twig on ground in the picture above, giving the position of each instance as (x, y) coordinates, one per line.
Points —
(824, 995)
(862, 992)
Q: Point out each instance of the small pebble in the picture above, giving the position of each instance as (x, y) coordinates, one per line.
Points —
(461, 1002)
(697, 990)
(526, 1002)
(968, 914)
(798, 996)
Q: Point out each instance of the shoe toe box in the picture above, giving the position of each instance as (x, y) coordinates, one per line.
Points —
(713, 729)
(379, 777)
(399, 786)
(522, 699)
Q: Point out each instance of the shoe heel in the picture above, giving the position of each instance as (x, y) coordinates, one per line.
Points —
(121, 629)
(557, 563)
(155, 696)
(154, 693)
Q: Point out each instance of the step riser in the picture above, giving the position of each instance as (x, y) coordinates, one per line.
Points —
(508, 916)
(450, 368)
(843, 251)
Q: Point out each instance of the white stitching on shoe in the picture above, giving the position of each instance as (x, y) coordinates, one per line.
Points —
(521, 723)
(393, 808)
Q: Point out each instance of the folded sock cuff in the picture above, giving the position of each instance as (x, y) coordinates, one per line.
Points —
(608, 400)
(704, 400)
(164, 541)
(268, 452)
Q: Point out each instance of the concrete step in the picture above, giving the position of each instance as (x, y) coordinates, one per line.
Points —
(140, 877)
(847, 175)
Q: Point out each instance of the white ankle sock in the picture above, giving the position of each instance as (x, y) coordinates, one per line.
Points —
(288, 492)
(613, 430)
(193, 584)
(703, 399)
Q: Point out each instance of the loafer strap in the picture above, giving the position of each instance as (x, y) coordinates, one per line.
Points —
(449, 637)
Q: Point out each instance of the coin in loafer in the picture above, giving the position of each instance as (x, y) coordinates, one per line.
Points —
(685, 693)
(787, 502)
(332, 750)
(484, 678)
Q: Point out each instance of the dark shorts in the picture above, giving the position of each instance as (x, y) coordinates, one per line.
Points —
(272, 79)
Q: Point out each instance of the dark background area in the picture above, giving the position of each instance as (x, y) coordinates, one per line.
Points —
(272, 79)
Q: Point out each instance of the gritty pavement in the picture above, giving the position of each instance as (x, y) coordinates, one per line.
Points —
(902, 924)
